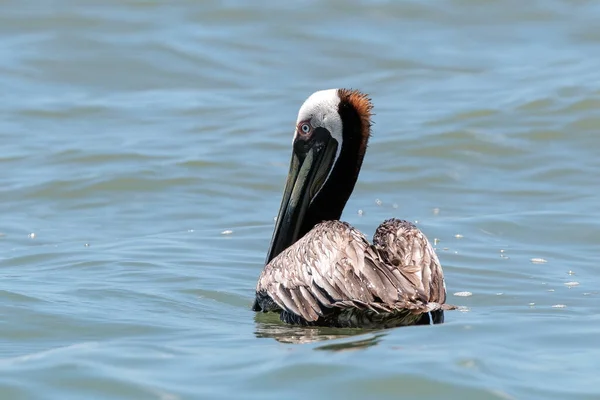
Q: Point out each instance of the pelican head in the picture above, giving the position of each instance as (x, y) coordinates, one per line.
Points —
(330, 140)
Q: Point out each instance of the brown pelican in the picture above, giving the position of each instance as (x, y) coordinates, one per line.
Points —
(321, 271)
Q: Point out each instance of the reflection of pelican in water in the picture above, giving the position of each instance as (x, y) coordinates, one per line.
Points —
(321, 271)
(346, 338)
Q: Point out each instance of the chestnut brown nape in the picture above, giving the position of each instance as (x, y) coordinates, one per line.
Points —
(355, 109)
(361, 102)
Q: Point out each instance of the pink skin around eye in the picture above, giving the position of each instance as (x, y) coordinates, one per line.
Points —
(304, 128)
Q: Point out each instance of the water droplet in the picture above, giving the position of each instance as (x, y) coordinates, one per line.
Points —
(458, 236)
(436, 211)
(436, 241)
(227, 232)
(360, 212)
(31, 235)
(378, 202)
(559, 306)
(394, 205)
(538, 261)
(571, 272)
(571, 284)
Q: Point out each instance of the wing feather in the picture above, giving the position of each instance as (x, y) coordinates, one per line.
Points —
(285, 299)
(335, 266)
(309, 303)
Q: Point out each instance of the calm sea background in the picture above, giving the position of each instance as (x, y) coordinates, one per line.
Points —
(144, 148)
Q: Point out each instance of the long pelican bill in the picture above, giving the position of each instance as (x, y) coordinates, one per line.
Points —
(312, 160)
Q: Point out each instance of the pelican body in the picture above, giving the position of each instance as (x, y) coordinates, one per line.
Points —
(321, 271)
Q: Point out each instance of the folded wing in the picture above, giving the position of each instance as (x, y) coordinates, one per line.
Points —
(334, 267)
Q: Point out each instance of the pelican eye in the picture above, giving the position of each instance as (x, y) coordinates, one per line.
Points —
(305, 128)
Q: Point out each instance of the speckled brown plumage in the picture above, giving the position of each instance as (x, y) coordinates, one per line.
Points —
(333, 276)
